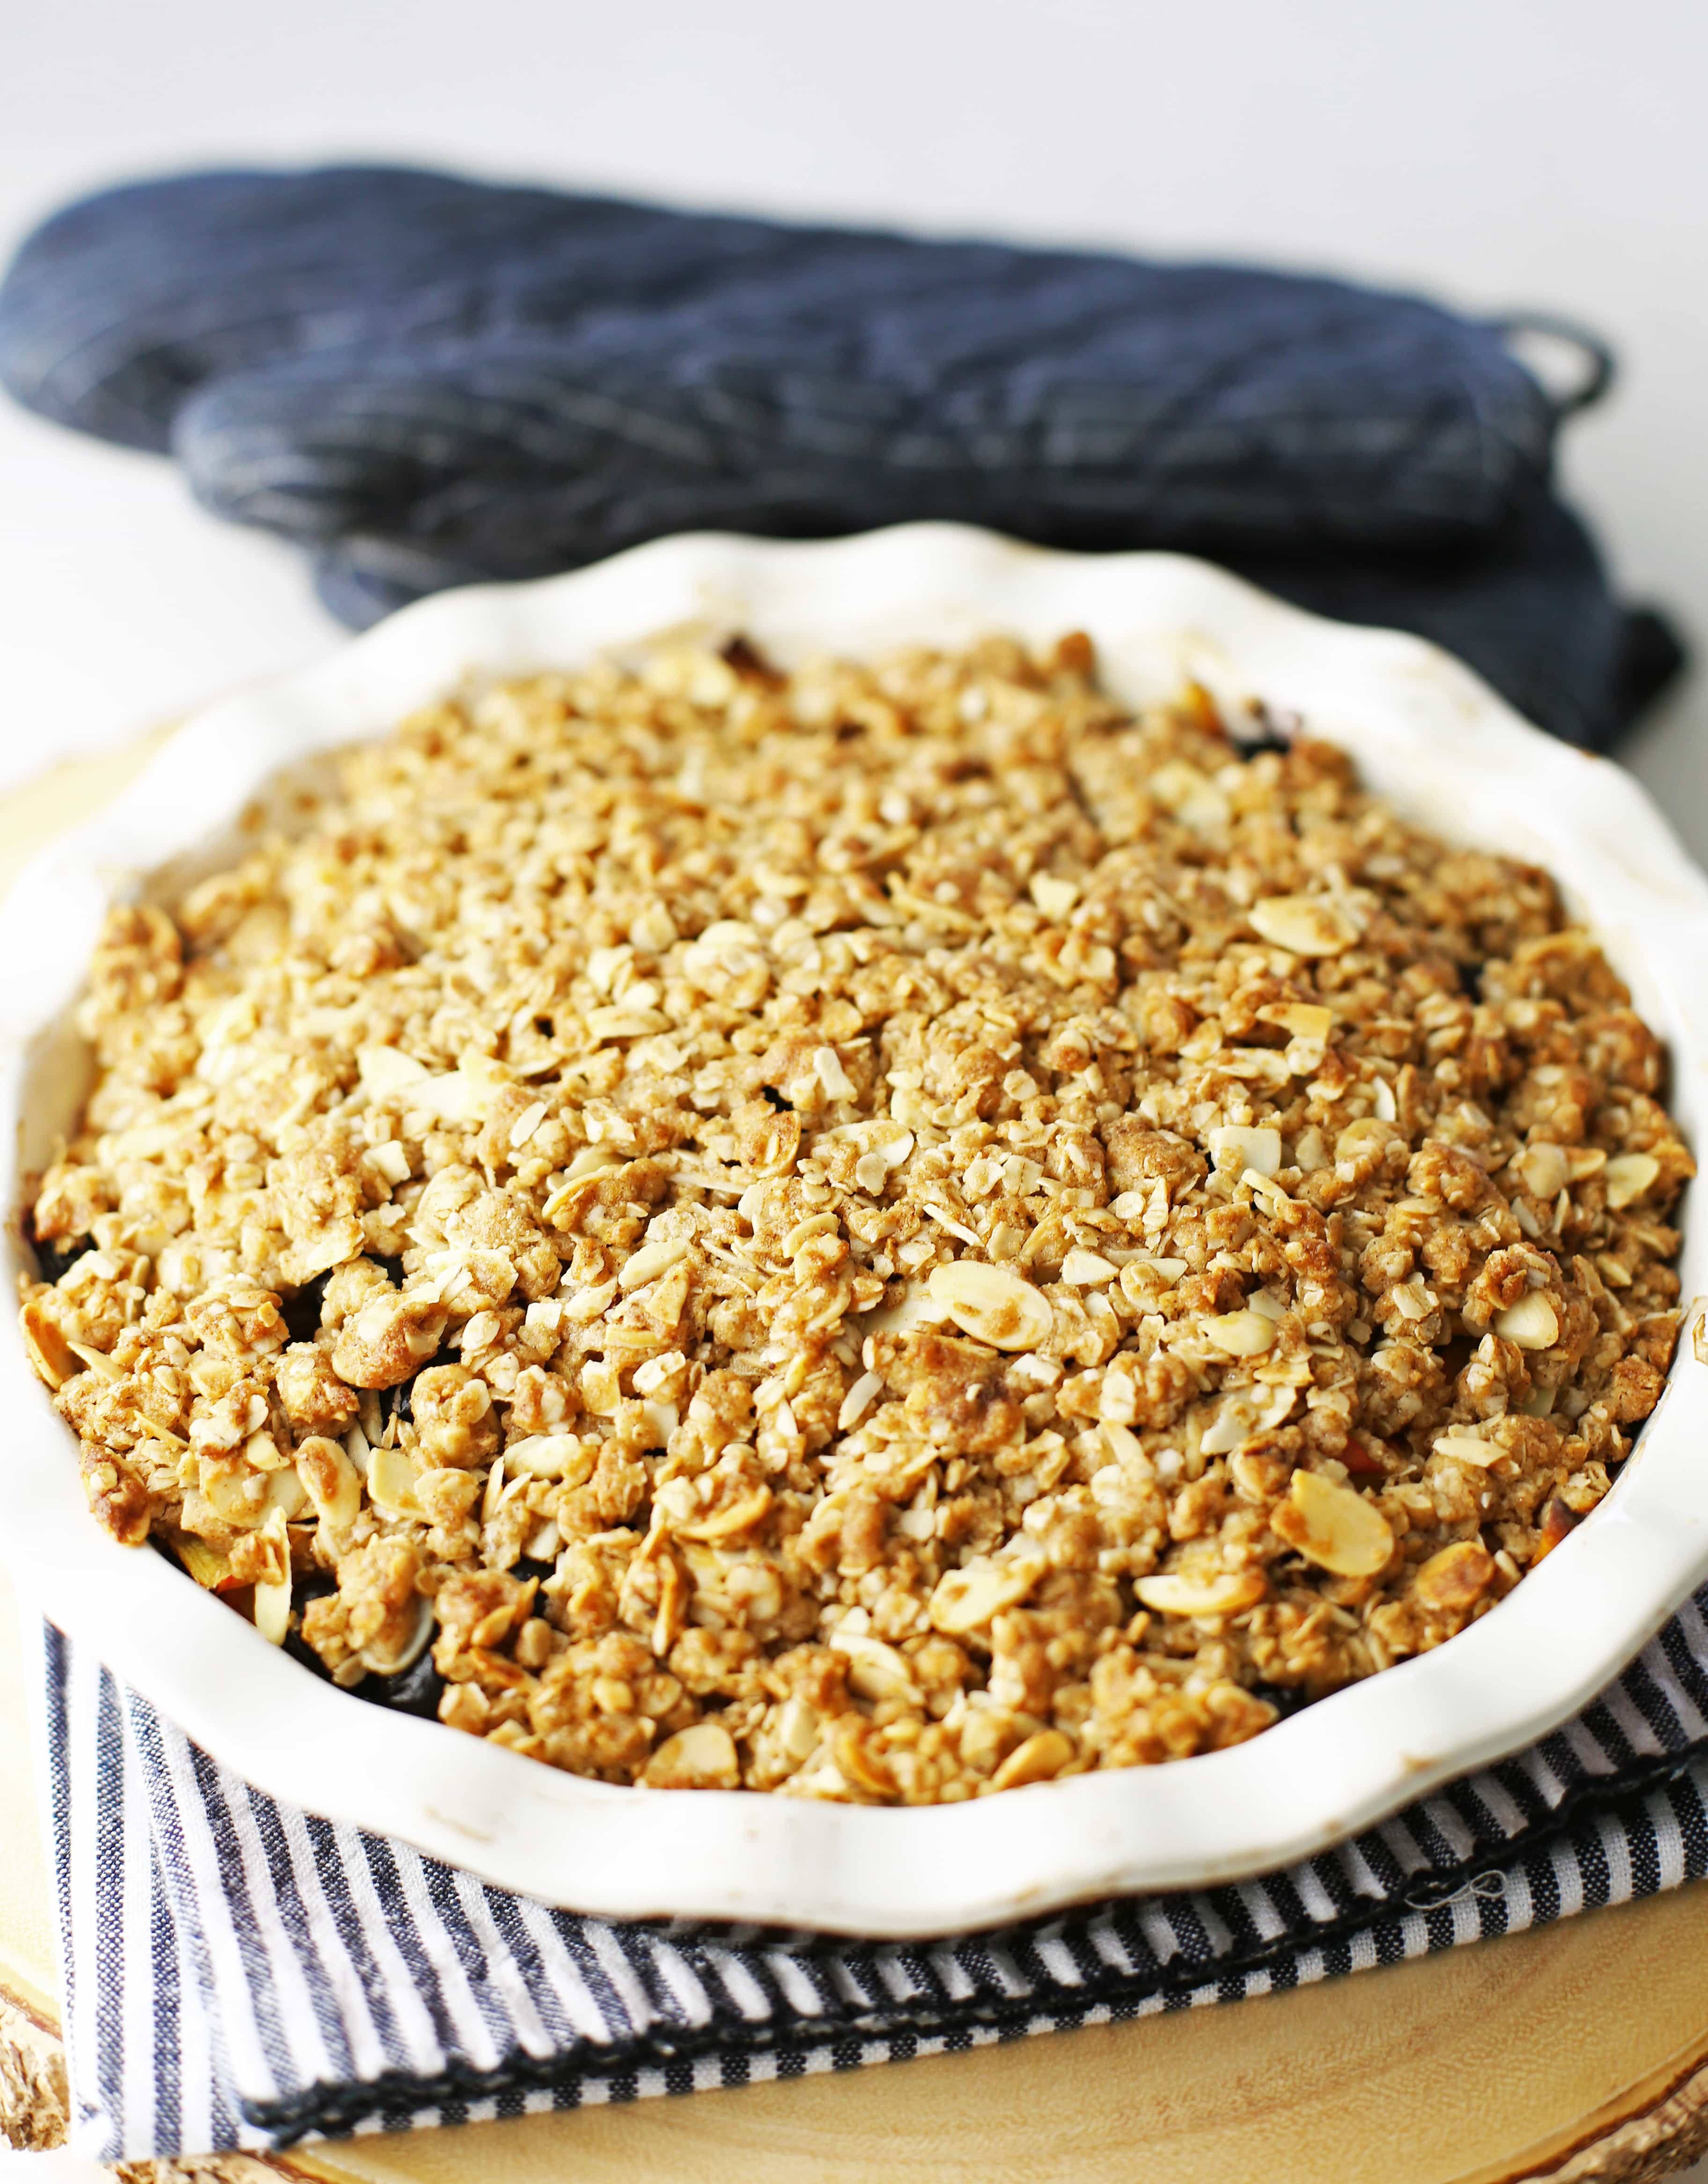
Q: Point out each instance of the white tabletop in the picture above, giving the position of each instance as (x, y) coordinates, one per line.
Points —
(1496, 153)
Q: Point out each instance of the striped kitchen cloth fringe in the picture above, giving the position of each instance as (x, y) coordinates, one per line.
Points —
(240, 1974)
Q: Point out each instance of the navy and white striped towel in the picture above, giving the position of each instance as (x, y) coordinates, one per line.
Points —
(238, 1974)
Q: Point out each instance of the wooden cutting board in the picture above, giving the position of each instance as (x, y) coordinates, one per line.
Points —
(1578, 2052)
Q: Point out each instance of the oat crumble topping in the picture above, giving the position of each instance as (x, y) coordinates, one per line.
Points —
(882, 1235)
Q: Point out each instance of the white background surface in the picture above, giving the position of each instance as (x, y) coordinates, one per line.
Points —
(1498, 152)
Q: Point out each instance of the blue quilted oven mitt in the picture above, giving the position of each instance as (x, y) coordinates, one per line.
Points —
(428, 380)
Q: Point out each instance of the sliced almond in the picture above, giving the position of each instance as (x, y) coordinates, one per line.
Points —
(1533, 1322)
(1125, 1446)
(1191, 795)
(1041, 1759)
(604, 963)
(390, 1658)
(449, 1097)
(656, 1374)
(1235, 1147)
(740, 1517)
(1305, 1020)
(331, 1481)
(1256, 1065)
(50, 1353)
(859, 1400)
(549, 1456)
(1142, 1275)
(1411, 1299)
(285, 1494)
(1303, 924)
(463, 1095)
(1055, 898)
(915, 1307)
(273, 1592)
(389, 1160)
(828, 1069)
(1467, 1447)
(392, 1484)
(860, 1764)
(261, 1450)
(871, 1173)
(209, 1569)
(876, 1670)
(1543, 1170)
(385, 1070)
(797, 1729)
(273, 1611)
(590, 1161)
(967, 1599)
(236, 1494)
(526, 1123)
(877, 1165)
(96, 1361)
(815, 1224)
(1245, 1414)
(1171, 1594)
(619, 1023)
(1557, 1524)
(1241, 1334)
(701, 1757)
(1455, 1577)
(1087, 1269)
(1333, 1526)
(1629, 1175)
(651, 1260)
(1267, 1192)
(994, 1304)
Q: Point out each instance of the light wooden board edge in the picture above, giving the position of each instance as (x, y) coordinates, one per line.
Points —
(72, 790)
(1653, 2127)
(1659, 2128)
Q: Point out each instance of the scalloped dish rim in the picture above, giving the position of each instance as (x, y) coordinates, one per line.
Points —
(1425, 731)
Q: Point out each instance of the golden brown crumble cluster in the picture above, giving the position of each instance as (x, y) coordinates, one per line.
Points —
(881, 1235)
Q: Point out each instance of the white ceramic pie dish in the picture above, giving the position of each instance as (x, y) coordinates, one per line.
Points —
(1426, 733)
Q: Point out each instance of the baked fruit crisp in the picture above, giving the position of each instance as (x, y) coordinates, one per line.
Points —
(882, 1235)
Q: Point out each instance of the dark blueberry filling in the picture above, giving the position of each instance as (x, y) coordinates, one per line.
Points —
(414, 1691)
(1286, 1699)
(302, 1310)
(54, 1255)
